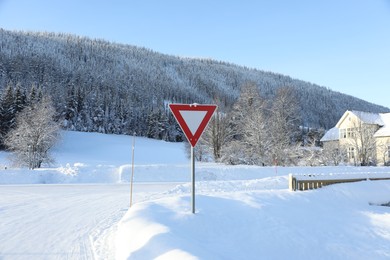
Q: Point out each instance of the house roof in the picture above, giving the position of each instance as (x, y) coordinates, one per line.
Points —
(369, 118)
(385, 129)
(331, 135)
(365, 117)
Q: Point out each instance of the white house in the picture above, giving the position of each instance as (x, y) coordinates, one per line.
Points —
(363, 136)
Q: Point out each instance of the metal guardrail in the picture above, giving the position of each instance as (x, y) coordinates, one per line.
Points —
(311, 181)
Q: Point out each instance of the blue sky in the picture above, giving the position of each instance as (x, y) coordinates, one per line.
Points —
(340, 44)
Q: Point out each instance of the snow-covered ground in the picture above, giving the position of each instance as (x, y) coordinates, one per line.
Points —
(64, 221)
(79, 208)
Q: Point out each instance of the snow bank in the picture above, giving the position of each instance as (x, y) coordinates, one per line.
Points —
(94, 158)
(99, 158)
(336, 222)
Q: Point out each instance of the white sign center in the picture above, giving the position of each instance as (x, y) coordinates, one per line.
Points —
(193, 119)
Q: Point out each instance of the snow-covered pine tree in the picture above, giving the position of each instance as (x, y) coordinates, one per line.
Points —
(7, 113)
(20, 99)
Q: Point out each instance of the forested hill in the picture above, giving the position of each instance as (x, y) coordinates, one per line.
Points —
(114, 88)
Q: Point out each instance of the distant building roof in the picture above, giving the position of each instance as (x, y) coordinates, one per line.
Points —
(331, 135)
(369, 118)
(385, 129)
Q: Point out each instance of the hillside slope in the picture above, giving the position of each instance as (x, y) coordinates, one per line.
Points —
(114, 88)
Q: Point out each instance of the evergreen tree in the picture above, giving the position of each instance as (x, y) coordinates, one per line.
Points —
(157, 125)
(7, 113)
(33, 95)
(20, 99)
(70, 105)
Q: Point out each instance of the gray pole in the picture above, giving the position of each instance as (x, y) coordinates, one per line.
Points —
(193, 180)
(132, 171)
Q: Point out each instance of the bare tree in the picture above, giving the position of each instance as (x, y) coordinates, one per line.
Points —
(333, 154)
(35, 133)
(246, 105)
(202, 152)
(383, 148)
(247, 122)
(256, 135)
(264, 131)
(217, 134)
(363, 141)
(234, 153)
(284, 124)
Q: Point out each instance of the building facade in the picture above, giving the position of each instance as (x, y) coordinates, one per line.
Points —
(363, 138)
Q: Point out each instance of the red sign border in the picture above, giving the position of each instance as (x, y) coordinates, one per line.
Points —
(176, 108)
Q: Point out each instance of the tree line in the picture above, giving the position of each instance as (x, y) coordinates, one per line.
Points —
(98, 86)
(254, 131)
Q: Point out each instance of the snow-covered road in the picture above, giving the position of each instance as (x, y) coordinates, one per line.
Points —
(64, 221)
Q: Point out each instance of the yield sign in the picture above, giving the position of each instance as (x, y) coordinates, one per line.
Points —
(192, 119)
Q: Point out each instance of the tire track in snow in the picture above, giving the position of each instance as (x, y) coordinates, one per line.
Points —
(63, 221)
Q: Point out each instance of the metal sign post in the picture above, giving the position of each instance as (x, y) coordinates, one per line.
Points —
(192, 180)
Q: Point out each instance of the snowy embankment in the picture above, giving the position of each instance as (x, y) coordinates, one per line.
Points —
(99, 158)
(341, 221)
(95, 158)
(242, 212)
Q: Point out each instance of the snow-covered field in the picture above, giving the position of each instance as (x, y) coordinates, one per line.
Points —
(79, 208)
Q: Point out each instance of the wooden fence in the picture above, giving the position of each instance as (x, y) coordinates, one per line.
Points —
(312, 181)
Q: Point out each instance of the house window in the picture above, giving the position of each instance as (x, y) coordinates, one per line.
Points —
(347, 133)
(343, 133)
(351, 153)
(350, 132)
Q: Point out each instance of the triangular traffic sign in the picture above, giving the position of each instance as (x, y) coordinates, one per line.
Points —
(193, 119)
